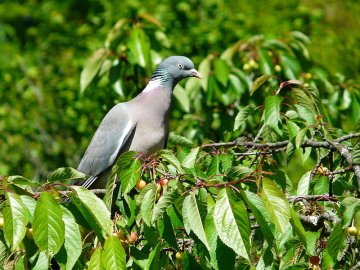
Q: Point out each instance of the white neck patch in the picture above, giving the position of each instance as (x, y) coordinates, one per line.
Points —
(152, 85)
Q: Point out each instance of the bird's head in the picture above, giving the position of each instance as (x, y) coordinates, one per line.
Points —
(175, 68)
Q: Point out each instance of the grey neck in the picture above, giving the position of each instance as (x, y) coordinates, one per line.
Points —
(166, 80)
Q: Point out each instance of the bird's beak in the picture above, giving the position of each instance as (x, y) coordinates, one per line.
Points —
(195, 73)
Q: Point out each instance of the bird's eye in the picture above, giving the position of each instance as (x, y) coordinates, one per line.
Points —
(180, 66)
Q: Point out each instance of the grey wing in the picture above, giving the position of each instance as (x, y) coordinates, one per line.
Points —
(110, 137)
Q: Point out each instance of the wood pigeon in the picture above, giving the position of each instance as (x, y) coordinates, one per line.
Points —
(141, 124)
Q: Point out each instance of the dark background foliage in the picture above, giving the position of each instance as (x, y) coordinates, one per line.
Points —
(45, 122)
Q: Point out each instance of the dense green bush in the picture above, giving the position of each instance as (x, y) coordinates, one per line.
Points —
(262, 167)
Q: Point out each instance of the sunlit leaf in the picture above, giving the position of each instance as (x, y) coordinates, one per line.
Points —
(91, 68)
(232, 223)
(71, 250)
(48, 226)
(113, 256)
(15, 220)
(276, 204)
(192, 218)
(259, 82)
(65, 174)
(93, 209)
(271, 114)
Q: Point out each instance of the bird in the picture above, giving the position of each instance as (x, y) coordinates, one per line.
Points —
(141, 124)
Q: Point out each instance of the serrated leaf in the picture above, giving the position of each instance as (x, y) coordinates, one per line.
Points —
(298, 227)
(91, 68)
(162, 204)
(222, 71)
(4, 250)
(123, 163)
(257, 207)
(113, 256)
(292, 128)
(304, 98)
(130, 175)
(271, 114)
(15, 220)
(303, 185)
(307, 114)
(276, 204)
(94, 206)
(147, 205)
(48, 226)
(179, 140)
(259, 82)
(242, 115)
(192, 218)
(71, 250)
(231, 221)
(169, 156)
(95, 260)
(65, 174)
(190, 160)
(300, 138)
(336, 241)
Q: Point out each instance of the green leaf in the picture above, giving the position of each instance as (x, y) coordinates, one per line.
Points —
(336, 241)
(129, 176)
(190, 160)
(257, 207)
(238, 171)
(298, 227)
(182, 98)
(163, 203)
(242, 115)
(65, 174)
(299, 139)
(30, 205)
(113, 256)
(303, 185)
(91, 68)
(292, 128)
(123, 163)
(93, 209)
(168, 155)
(147, 205)
(139, 46)
(4, 250)
(48, 226)
(276, 204)
(290, 66)
(179, 140)
(95, 262)
(153, 261)
(272, 112)
(15, 220)
(266, 65)
(349, 206)
(71, 250)
(307, 114)
(192, 218)
(259, 82)
(222, 71)
(232, 224)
